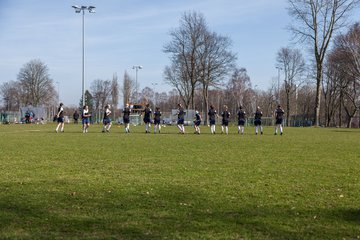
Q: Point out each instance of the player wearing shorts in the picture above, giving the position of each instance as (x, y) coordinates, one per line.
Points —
(157, 119)
(126, 118)
(106, 119)
(60, 118)
(86, 118)
(181, 116)
(279, 114)
(241, 120)
(257, 121)
(147, 115)
(225, 120)
(212, 118)
(197, 122)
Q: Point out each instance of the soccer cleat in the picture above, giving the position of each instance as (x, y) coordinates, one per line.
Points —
(281, 133)
(261, 133)
(275, 133)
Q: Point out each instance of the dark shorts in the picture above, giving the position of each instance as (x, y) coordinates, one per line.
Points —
(106, 121)
(126, 120)
(180, 121)
(60, 119)
(257, 122)
(197, 123)
(279, 121)
(212, 121)
(225, 123)
(85, 120)
(241, 122)
(157, 121)
(147, 120)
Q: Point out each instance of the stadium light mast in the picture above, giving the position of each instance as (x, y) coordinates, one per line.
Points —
(278, 88)
(136, 80)
(79, 9)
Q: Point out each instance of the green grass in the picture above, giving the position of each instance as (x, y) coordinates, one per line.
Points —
(302, 185)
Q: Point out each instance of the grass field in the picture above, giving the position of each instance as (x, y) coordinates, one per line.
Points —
(302, 185)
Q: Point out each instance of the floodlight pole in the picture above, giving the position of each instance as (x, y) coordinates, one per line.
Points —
(136, 80)
(78, 10)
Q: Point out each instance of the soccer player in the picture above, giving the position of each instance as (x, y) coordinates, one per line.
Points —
(106, 119)
(126, 118)
(60, 118)
(279, 114)
(157, 119)
(212, 116)
(147, 115)
(85, 118)
(225, 120)
(181, 114)
(257, 121)
(197, 122)
(241, 120)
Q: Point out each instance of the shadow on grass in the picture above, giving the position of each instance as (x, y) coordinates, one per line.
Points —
(171, 212)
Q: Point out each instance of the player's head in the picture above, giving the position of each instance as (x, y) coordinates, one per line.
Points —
(179, 105)
(85, 107)
(127, 105)
(61, 104)
(147, 105)
(279, 106)
(225, 107)
(240, 107)
(157, 108)
(211, 106)
(258, 108)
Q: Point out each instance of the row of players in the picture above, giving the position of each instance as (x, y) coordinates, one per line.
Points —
(147, 112)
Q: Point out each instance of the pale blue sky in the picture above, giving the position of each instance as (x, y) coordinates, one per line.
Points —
(123, 33)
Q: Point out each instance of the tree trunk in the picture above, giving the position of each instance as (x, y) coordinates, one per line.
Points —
(318, 94)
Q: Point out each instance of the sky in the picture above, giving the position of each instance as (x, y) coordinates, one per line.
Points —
(124, 33)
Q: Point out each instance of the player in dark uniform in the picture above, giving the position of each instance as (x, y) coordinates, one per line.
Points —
(106, 119)
(60, 118)
(197, 122)
(147, 115)
(279, 114)
(225, 120)
(181, 117)
(257, 121)
(85, 118)
(212, 118)
(157, 119)
(126, 118)
(241, 120)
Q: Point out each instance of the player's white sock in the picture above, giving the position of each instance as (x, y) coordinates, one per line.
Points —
(57, 128)
(239, 129)
(227, 130)
(281, 128)
(180, 128)
(222, 129)
(183, 128)
(159, 127)
(242, 129)
(261, 129)
(62, 127)
(108, 128)
(276, 129)
(256, 129)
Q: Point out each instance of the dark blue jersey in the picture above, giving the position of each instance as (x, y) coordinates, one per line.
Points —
(197, 117)
(212, 114)
(279, 113)
(241, 115)
(147, 112)
(181, 113)
(61, 112)
(126, 112)
(258, 115)
(225, 115)
(157, 115)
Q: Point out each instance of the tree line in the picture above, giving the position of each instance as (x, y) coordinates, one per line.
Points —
(322, 87)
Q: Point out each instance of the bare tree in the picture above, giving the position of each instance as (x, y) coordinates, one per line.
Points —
(347, 61)
(36, 85)
(101, 92)
(293, 64)
(128, 88)
(11, 95)
(114, 94)
(216, 60)
(184, 49)
(237, 86)
(317, 20)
